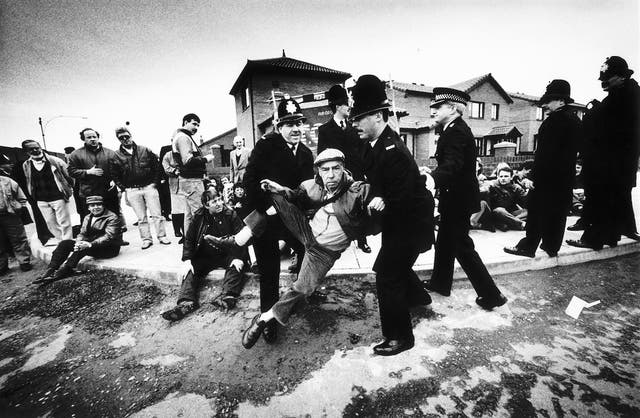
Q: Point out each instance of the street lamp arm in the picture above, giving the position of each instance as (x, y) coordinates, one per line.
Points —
(63, 116)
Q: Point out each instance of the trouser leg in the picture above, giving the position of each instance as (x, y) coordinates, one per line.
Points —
(314, 268)
(60, 254)
(392, 282)
(17, 237)
(268, 259)
(177, 219)
(501, 215)
(63, 216)
(135, 196)
(152, 200)
(233, 281)
(444, 257)
(473, 266)
(49, 215)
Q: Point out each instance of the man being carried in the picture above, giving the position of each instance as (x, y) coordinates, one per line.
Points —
(99, 237)
(339, 207)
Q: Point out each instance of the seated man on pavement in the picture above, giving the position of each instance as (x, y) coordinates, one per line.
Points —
(339, 215)
(521, 177)
(100, 237)
(507, 201)
(212, 220)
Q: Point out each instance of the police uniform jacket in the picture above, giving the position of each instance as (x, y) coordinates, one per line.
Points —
(455, 175)
(394, 176)
(272, 159)
(330, 135)
(555, 160)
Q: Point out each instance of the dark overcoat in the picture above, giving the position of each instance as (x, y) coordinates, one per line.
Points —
(408, 215)
(455, 175)
(272, 159)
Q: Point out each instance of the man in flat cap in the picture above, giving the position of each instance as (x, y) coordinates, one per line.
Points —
(456, 179)
(282, 157)
(553, 174)
(398, 191)
(99, 237)
(610, 155)
(338, 213)
(338, 133)
(137, 172)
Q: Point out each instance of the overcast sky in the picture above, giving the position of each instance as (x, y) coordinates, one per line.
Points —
(150, 62)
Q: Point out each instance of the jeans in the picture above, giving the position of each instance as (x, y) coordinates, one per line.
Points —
(142, 199)
(64, 254)
(315, 265)
(191, 190)
(56, 215)
(12, 233)
(513, 220)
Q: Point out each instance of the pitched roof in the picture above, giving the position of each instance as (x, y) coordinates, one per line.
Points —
(535, 100)
(509, 131)
(285, 64)
(218, 137)
(471, 84)
(415, 122)
(413, 87)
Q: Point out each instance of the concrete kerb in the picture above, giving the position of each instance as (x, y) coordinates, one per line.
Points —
(172, 275)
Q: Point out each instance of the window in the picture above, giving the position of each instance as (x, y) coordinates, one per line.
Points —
(495, 111)
(476, 110)
(245, 99)
(539, 113)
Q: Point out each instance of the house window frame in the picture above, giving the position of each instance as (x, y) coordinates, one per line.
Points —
(539, 113)
(480, 110)
(495, 111)
(245, 99)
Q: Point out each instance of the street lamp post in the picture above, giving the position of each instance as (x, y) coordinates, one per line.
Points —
(42, 127)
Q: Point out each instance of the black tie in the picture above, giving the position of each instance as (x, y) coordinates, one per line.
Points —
(293, 148)
(342, 125)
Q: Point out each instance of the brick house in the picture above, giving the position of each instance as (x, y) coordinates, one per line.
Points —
(220, 146)
(260, 80)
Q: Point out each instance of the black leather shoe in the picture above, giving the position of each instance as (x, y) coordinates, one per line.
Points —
(578, 226)
(633, 235)
(489, 304)
(252, 333)
(393, 347)
(518, 251)
(425, 300)
(432, 287)
(47, 275)
(270, 332)
(364, 247)
(581, 244)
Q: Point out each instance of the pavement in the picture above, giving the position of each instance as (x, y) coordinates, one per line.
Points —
(163, 264)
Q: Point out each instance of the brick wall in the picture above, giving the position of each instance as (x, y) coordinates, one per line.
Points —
(260, 109)
(523, 116)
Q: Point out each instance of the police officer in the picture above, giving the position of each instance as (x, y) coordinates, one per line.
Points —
(553, 173)
(399, 193)
(456, 179)
(282, 157)
(337, 133)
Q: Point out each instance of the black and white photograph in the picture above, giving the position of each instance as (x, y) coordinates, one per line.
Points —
(412, 208)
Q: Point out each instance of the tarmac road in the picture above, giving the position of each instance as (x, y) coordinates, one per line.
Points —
(94, 345)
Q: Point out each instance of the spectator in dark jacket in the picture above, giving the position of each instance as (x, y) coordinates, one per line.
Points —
(213, 219)
(91, 166)
(99, 237)
(138, 173)
(507, 201)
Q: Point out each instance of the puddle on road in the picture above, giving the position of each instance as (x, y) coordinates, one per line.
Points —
(43, 354)
(125, 339)
(174, 405)
(168, 360)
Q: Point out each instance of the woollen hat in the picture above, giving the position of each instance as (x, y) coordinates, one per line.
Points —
(337, 95)
(446, 94)
(95, 200)
(288, 111)
(330, 154)
(369, 95)
(122, 129)
(557, 89)
(614, 65)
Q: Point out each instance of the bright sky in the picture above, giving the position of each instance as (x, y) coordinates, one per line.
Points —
(151, 62)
